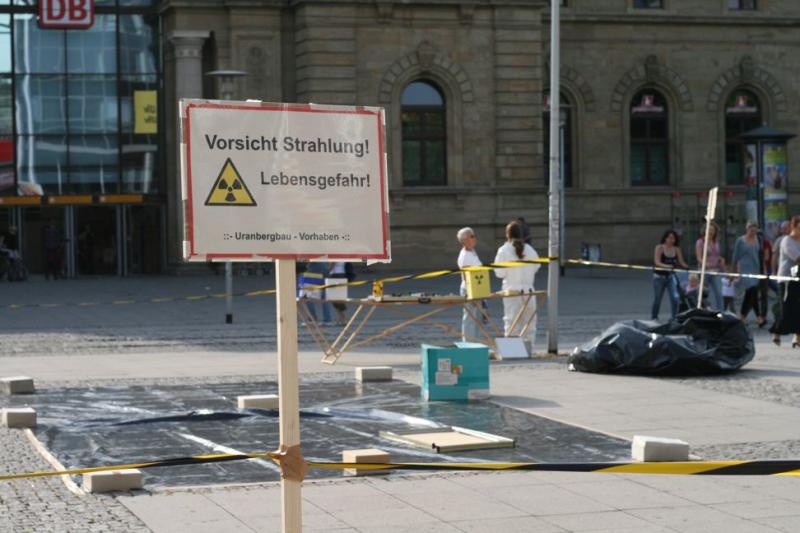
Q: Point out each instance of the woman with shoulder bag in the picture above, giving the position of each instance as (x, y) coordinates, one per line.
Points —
(667, 255)
(748, 258)
(789, 291)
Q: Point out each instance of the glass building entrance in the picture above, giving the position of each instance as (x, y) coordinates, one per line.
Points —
(88, 240)
(117, 239)
(81, 137)
(95, 240)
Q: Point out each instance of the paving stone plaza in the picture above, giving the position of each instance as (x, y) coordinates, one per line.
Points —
(752, 414)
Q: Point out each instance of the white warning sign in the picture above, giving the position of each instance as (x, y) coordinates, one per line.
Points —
(280, 181)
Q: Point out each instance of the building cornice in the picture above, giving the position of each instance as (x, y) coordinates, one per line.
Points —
(430, 3)
(167, 5)
(672, 19)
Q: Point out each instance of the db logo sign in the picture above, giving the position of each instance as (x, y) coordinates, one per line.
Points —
(66, 13)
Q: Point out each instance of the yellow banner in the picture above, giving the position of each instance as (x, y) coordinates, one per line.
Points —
(145, 105)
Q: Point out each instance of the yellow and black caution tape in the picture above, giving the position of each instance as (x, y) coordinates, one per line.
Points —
(267, 292)
(716, 468)
(178, 461)
(408, 277)
(686, 270)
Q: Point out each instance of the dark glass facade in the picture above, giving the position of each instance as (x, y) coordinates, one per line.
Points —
(76, 96)
(80, 118)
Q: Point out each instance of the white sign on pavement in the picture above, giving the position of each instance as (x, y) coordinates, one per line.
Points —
(266, 181)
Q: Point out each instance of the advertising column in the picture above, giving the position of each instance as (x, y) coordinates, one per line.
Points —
(766, 174)
(773, 186)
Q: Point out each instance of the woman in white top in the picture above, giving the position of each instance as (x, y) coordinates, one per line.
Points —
(468, 256)
(517, 279)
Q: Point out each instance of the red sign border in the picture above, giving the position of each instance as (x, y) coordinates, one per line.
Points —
(65, 26)
(301, 108)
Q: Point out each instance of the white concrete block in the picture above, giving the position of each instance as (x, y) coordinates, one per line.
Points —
(373, 373)
(258, 401)
(16, 385)
(653, 449)
(20, 417)
(367, 455)
(109, 481)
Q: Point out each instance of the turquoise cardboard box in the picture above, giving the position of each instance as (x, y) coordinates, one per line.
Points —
(459, 372)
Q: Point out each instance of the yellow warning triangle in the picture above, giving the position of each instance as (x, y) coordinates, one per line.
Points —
(229, 189)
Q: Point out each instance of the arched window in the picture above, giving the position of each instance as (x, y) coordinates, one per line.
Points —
(424, 134)
(649, 129)
(742, 113)
(566, 130)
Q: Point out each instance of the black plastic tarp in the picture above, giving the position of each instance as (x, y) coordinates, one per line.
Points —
(693, 343)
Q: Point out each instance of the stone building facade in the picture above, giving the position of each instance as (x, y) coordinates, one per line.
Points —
(630, 177)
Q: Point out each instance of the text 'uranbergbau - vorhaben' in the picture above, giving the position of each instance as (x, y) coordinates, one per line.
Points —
(262, 143)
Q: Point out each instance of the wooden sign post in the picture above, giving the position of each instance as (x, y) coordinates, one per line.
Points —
(288, 387)
(270, 181)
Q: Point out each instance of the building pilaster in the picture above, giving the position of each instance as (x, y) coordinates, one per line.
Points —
(187, 77)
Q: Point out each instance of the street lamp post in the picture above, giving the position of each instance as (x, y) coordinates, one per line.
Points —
(562, 128)
(554, 239)
(226, 80)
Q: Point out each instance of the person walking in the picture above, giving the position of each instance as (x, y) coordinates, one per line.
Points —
(15, 269)
(747, 259)
(789, 291)
(666, 255)
(518, 279)
(714, 263)
(52, 241)
(775, 256)
(317, 271)
(341, 270)
(467, 257)
(729, 293)
(785, 229)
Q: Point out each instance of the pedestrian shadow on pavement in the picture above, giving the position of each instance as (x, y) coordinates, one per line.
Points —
(522, 402)
(748, 373)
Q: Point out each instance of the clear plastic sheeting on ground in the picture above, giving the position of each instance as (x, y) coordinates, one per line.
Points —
(85, 427)
(694, 343)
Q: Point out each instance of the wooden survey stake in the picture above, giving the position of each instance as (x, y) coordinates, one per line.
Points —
(288, 388)
(710, 212)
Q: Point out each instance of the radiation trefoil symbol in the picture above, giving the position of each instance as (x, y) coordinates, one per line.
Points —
(230, 189)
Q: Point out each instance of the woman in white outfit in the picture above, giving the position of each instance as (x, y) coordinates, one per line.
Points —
(517, 279)
(468, 256)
